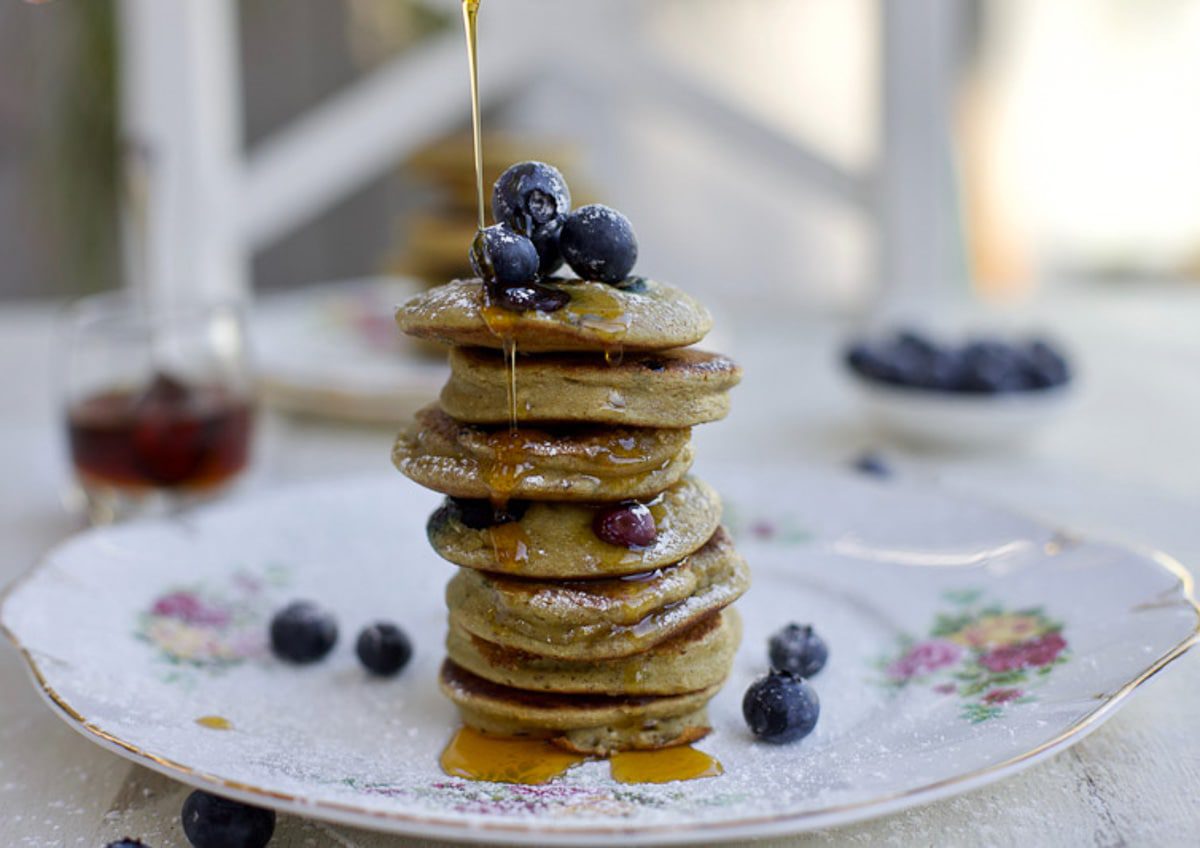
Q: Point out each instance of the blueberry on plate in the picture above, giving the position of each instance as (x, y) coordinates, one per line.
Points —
(302, 632)
(798, 649)
(871, 464)
(502, 256)
(531, 197)
(598, 243)
(127, 842)
(210, 821)
(383, 648)
(780, 707)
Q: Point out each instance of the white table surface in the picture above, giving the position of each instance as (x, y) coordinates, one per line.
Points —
(1123, 462)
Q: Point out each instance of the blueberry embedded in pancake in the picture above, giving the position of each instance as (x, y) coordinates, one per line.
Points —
(634, 315)
(557, 540)
(573, 463)
(674, 388)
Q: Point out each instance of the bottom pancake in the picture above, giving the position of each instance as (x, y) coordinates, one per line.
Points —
(586, 724)
(695, 659)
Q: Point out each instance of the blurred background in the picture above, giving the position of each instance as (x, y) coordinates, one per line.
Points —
(827, 152)
(808, 168)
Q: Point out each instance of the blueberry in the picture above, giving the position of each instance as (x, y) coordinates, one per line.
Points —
(210, 821)
(872, 464)
(545, 240)
(991, 366)
(869, 361)
(780, 707)
(481, 513)
(915, 342)
(923, 363)
(627, 525)
(500, 255)
(127, 842)
(1045, 366)
(302, 632)
(525, 296)
(796, 648)
(383, 648)
(942, 370)
(598, 243)
(531, 196)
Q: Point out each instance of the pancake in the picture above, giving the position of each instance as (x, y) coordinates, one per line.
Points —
(638, 315)
(580, 463)
(675, 388)
(598, 619)
(697, 658)
(587, 724)
(556, 540)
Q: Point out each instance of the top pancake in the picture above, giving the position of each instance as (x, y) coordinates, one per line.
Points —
(639, 314)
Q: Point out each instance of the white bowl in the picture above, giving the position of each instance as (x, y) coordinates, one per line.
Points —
(931, 418)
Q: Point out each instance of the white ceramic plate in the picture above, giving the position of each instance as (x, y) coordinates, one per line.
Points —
(332, 350)
(966, 644)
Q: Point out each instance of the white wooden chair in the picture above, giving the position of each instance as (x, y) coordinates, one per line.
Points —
(213, 203)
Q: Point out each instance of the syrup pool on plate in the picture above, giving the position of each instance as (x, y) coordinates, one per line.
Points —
(478, 756)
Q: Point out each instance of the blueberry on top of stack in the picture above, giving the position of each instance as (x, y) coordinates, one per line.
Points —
(978, 366)
(592, 603)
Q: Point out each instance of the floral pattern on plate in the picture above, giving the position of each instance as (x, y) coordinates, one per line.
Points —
(988, 656)
(201, 626)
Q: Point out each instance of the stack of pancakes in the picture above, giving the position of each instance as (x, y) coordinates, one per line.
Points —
(555, 633)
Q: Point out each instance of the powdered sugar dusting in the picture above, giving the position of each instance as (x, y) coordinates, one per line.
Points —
(368, 748)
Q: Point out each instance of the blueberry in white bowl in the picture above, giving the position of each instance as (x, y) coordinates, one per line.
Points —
(980, 392)
(984, 365)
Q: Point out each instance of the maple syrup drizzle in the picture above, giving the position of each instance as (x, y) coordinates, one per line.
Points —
(471, 25)
(510, 545)
(508, 466)
(510, 360)
(498, 320)
(478, 756)
(598, 309)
